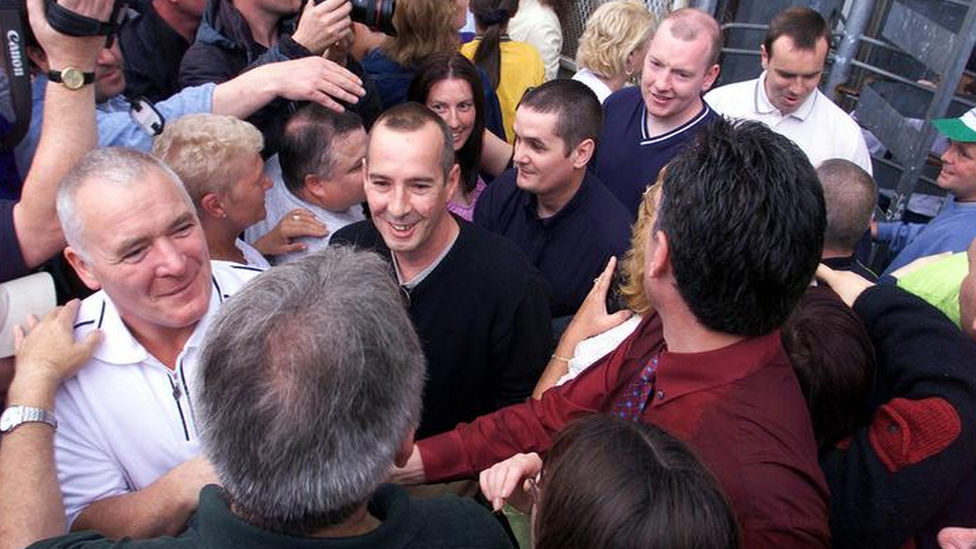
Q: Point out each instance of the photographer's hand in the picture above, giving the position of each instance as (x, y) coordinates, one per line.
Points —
(69, 51)
(323, 24)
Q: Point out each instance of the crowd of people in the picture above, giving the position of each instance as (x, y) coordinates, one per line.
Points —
(363, 286)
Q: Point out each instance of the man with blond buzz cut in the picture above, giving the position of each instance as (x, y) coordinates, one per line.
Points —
(785, 96)
(850, 194)
(645, 127)
(479, 306)
(126, 440)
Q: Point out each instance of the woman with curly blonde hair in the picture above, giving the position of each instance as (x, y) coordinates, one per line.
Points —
(611, 49)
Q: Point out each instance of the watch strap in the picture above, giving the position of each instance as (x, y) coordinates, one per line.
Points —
(55, 76)
(14, 416)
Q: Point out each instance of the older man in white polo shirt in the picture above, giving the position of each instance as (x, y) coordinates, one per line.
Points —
(785, 96)
(126, 438)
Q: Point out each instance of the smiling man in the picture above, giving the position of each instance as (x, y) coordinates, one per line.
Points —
(645, 127)
(564, 219)
(126, 430)
(785, 96)
(479, 307)
(955, 226)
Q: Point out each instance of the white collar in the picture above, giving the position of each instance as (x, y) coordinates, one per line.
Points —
(763, 105)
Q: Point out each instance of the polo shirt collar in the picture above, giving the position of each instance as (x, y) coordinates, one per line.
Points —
(684, 373)
(120, 347)
(763, 106)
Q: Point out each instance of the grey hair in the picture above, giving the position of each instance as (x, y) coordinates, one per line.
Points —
(205, 150)
(117, 166)
(311, 378)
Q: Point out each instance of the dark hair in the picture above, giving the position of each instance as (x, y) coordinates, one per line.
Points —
(306, 143)
(579, 113)
(850, 194)
(445, 66)
(492, 16)
(412, 116)
(804, 26)
(610, 483)
(833, 358)
(744, 217)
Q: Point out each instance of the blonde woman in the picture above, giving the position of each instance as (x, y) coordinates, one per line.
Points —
(611, 49)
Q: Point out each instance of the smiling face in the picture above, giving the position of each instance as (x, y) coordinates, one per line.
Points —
(544, 167)
(958, 174)
(145, 248)
(676, 73)
(408, 193)
(792, 74)
(453, 100)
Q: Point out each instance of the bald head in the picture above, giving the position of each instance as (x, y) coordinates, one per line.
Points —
(689, 23)
(850, 194)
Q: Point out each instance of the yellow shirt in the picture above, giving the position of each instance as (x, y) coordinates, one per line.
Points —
(521, 69)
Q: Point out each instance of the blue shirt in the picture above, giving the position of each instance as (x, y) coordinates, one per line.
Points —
(628, 157)
(572, 247)
(115, 126)
(950, 231)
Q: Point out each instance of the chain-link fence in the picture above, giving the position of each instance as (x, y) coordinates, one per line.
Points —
(582, 10)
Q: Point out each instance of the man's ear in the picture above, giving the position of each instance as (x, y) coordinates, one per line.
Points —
(764, 56)
(314, 185)
(583, 153)
(659, 263)
(212, 205)
(405, 450)
(82, 268)
(453, 180)
(711, 75)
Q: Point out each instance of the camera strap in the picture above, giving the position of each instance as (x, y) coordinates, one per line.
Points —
(16, 64)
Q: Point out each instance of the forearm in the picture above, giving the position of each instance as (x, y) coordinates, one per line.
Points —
(160, 509)
(67, 132)
(244, 95)
(558, 365)
(30, 498)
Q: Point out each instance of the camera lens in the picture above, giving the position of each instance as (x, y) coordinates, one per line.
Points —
(375, 14)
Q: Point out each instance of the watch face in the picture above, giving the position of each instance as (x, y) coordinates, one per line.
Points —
(73, 78)
(9, 417)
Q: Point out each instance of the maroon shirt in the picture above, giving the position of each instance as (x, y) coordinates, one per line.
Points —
(740, 408)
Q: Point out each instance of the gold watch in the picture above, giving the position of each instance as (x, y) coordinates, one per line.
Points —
(71, 77)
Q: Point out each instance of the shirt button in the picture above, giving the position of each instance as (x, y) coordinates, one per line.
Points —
(660, 395)
(892, 428)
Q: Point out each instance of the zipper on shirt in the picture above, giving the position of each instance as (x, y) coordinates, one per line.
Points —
(177, 393)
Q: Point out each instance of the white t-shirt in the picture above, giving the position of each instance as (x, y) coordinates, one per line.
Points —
(587, 77)
(539, 25)
(126, 419)
(819, 127)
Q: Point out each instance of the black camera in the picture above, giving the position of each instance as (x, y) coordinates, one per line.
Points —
(375, 14)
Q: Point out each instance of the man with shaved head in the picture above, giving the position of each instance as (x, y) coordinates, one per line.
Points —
(645, 127)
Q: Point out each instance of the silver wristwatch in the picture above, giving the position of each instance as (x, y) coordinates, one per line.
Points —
(17, 415)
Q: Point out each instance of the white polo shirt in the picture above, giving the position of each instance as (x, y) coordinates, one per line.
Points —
(126, 419)
(820, 128)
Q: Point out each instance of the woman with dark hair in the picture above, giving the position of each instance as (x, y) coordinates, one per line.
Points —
(446, 83)
(512, 67)
(611, 483)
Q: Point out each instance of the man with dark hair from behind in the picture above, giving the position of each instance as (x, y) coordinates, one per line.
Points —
(850, 194)
(785, 96)
(321, 186)
(564, 219)
(738, 235)
(306, 400)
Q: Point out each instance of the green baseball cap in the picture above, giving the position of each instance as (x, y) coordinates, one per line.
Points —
(958, 129)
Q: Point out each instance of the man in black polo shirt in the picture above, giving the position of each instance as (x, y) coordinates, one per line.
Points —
(564, 219)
